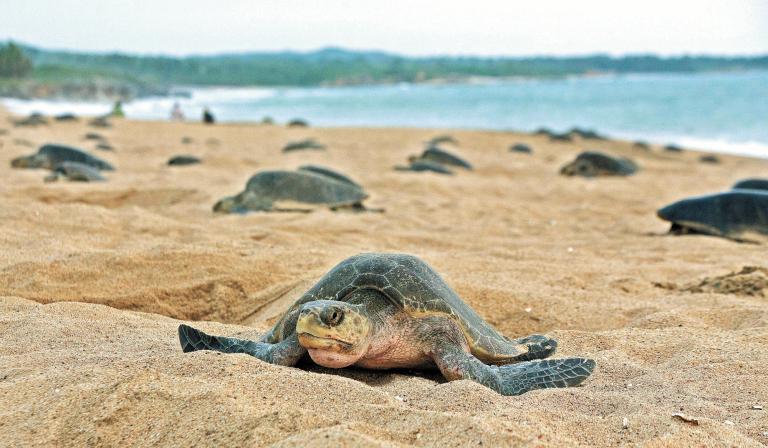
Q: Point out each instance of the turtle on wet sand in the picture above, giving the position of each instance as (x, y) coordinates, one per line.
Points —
(751, 184)
(420, 165)
(50, 156)
(709, 158)
(673, 148)
(441, 156)
(382, 311)
(592, 163)
(76, 172)
(740, 215)
(329, 173)
(293, 191)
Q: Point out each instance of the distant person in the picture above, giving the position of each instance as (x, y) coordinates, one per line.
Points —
(208, 116)
(117, 110)
(176, 112)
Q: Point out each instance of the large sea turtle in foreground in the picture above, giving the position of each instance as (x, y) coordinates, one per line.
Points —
(293, 191)
(593, 163)
(740, 215)
(382, 311)
(51, 156)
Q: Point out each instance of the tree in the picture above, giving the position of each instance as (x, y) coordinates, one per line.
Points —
(13, 62)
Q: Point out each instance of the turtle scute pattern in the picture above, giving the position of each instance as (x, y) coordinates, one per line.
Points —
(414, 285)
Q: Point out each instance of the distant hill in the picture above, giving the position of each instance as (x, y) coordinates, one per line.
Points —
(336, 66)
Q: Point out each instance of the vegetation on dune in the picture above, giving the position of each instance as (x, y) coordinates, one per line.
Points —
(330, 66)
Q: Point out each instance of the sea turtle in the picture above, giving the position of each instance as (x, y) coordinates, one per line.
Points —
(329, 173)
(183, 160)
(751, 184)
(586, 134)
(592, 163)
(641, 144)
(101, 122)
(303, 144)
(104, 146)
(673, 148)
(709, 158)
(740, 215)
(563, 137)
(34, 119)
(94, 136)
(441, 156)
(292, 191)
(298, 123)
(50, 156)
(442, 139)
(382, 311)
(74, 171)
(424, 165)
(66, 117)
(521, 148)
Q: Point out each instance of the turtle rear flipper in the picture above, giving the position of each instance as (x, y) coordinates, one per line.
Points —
(286, 353)
(516, 379)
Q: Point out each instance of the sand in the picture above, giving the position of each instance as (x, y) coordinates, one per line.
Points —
(95, 278)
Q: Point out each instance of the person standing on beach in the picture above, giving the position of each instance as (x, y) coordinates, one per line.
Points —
(176, 113)
(208, 116)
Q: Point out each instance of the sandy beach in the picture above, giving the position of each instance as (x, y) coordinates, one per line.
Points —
(95, 278)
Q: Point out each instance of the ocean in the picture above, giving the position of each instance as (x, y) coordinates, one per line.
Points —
(722, 112)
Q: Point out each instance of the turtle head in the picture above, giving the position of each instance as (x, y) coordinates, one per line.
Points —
(31, 161)
(579, 167)
(336, 334)
(226, 205)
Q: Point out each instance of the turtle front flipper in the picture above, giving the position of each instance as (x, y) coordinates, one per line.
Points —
(286, 353)
(537, 347)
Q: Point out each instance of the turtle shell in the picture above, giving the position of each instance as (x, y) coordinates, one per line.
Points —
(413, 285)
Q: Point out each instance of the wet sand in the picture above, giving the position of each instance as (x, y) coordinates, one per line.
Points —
(95, 278)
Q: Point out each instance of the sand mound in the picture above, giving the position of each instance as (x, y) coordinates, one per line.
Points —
(749, 281)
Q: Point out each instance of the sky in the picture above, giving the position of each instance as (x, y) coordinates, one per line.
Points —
(410, 27)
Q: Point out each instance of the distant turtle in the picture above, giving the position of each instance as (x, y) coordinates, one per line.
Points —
(303, 144)
(187, 140)
(382, 311)
(521, 148)
(66, 117)
(183, 160)
(440, 139)
(298, 123)
(751, 184)
(592, 164)
(673, 148)
(587, 134)
(50, 156)
(75, 171)
(293, 191)
(100, 122)
(544, 131)
(709, 158)
(640, 144)
(34, 119)
(330, 173)
(443, 157)
(104, 146)
(94, 136)
(740, 215)
(564, 137)
(420, 165)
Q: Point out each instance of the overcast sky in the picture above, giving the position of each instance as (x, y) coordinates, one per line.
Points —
(482, 27)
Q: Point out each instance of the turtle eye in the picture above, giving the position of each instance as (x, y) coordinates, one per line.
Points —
(335, 316)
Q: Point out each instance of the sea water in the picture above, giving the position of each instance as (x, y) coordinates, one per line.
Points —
(726, 112)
